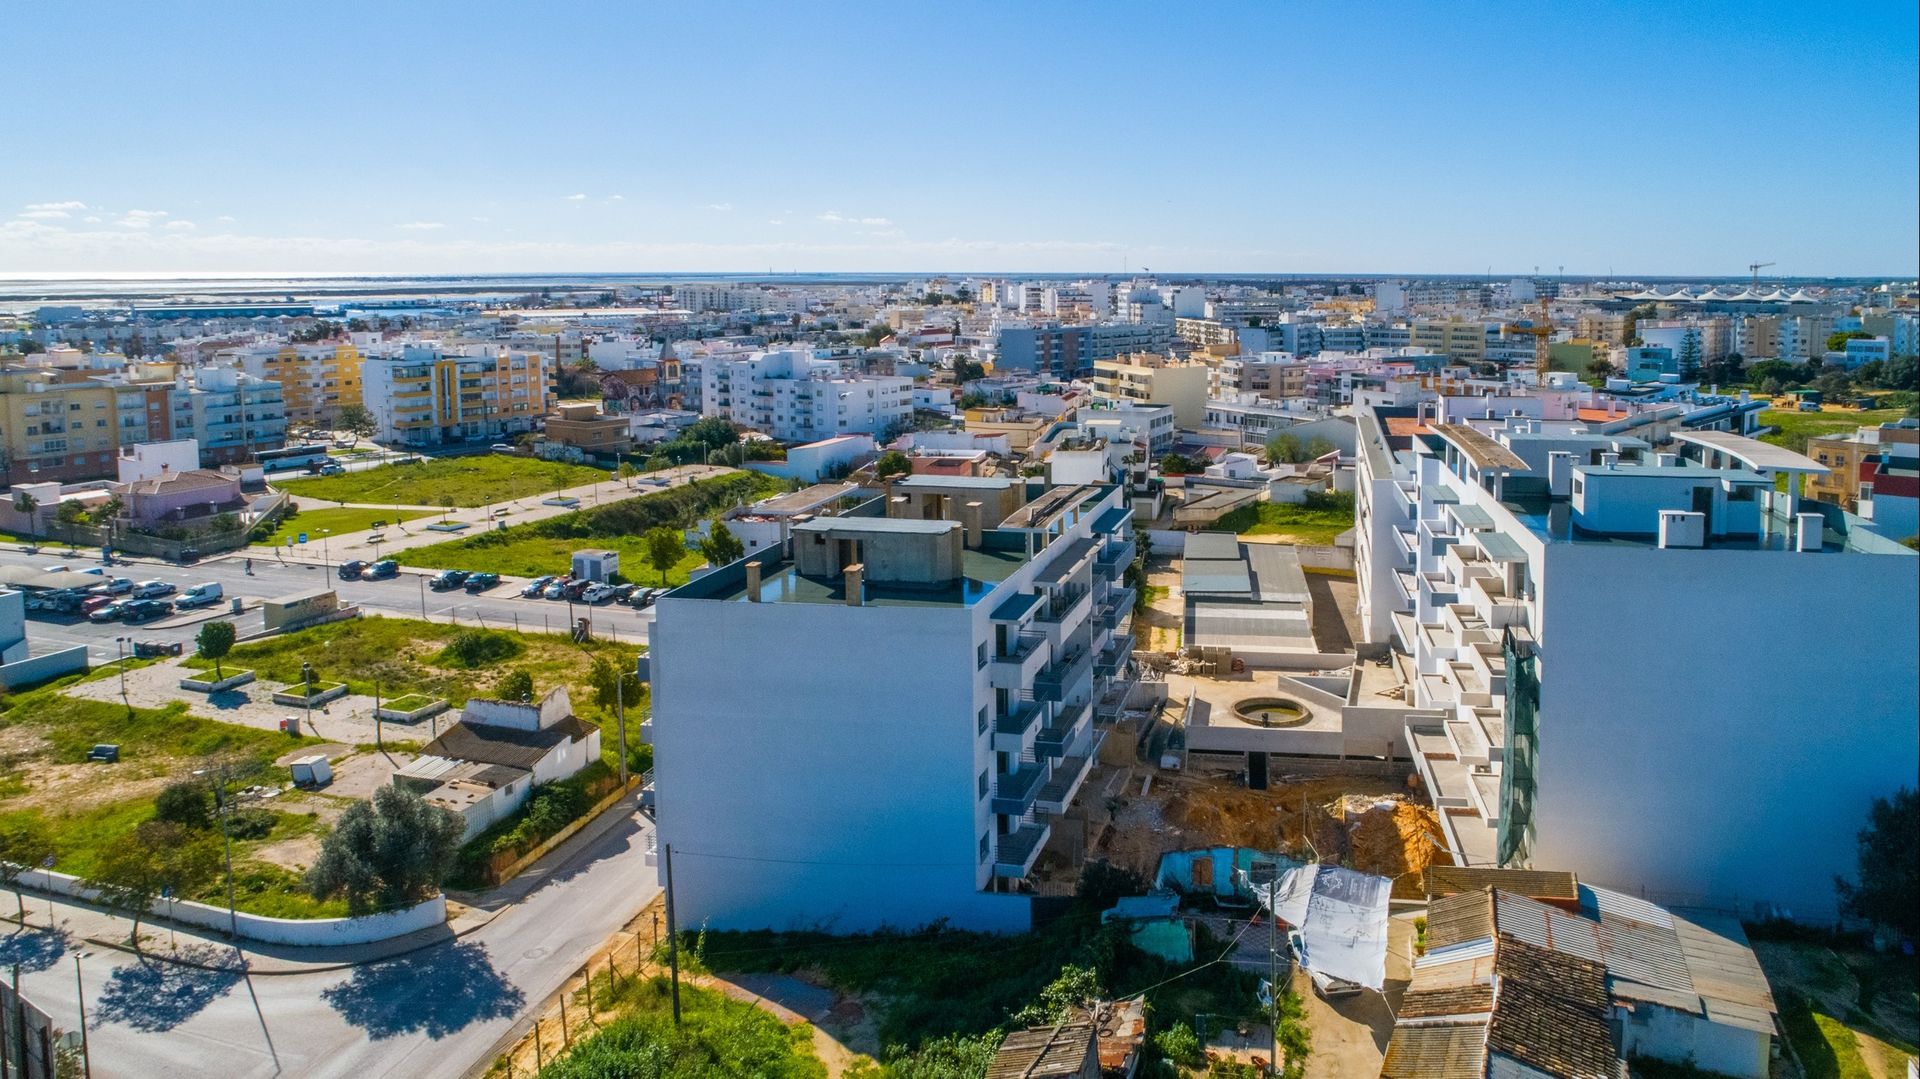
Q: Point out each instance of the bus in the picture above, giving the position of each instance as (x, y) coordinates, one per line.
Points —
(292, 457)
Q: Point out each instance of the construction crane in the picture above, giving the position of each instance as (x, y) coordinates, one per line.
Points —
(1755, 268)
(1542, 332)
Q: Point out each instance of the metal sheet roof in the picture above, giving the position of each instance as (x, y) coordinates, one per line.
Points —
(1215, 577)
(1752, 452)
(1213, 545)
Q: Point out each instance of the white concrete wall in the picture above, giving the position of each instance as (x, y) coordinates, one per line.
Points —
(313, 932)
(816, 766)
(1714, 724)
(1666, 1034)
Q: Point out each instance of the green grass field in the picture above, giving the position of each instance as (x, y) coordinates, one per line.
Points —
(1796, 427)
(1315, 522)
(468, 481)
(532, 555)
(339, 521)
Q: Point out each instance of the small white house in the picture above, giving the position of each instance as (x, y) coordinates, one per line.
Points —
(596, 565)
(485, 766)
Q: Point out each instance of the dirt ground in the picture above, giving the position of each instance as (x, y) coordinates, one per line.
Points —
(59, 788)
(1335, 602)
(1833, 983)
(1160, 628)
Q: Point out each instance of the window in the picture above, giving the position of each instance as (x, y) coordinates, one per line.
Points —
(982, 726)
(983, 784)
(986, 845)
(980, 655)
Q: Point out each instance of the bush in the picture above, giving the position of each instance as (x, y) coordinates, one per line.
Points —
(250, 823)
(1180, 1045)
(515, 685)
(475, 648)
(187, 803)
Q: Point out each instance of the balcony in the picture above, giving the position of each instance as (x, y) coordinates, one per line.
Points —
(1015, 669)
(1057, 794)
(1060, 731)
(1114, 658)
(1066, 606)
(1010, 730)
(1053, 683)
(1115, 557)
(1118, 604)
(1013, 792)
(1016, 850)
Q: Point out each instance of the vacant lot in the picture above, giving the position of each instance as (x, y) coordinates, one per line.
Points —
(1796, 427)
(1316, 521)
(468, 481)
(337, 521)
(1849, 1013)
(547, 546)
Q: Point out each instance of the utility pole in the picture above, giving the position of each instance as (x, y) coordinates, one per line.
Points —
(673, 938)
(86, 1053)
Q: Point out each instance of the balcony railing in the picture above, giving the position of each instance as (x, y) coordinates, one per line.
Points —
(1062, 674)
(1013, 791)
(1116, 554)
(1114, 657)
(1014, 855)
(1010, 730)
(1063, 604)
(1054, 738)
(1058, 791)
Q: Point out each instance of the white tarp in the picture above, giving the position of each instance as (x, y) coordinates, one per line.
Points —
(1341, 918)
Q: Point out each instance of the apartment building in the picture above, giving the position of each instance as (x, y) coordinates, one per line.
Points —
(1458, 339)
(316, 380)
(1872, 473)
(427, 395)
(1155, 379)
(1061, 350)
(795, 396)
(1266, 374)
(231, 414)
(933, 675)
(1652, 659)
(1757, 337)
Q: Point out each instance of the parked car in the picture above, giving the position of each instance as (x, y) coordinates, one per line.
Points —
(352, 569)
(448, 579)
(146, 610)
(645, 597)
(577, 590)
(537, 586)
(151, 649)
(381, 570)
(623, 592)
(480, 582)
(189, 554)
(117, 586)
(597, 593)
(94, 603)
(200, 595)
(111, 611)
(502, 447)
(556, 590)
(150, 589)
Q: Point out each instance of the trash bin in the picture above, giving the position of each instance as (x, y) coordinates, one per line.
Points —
(236, 605)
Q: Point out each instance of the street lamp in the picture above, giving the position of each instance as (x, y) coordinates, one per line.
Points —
(217, 776)
(122, 642)
(325, 551)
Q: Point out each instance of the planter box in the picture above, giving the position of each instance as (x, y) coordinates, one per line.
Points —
(322, 693)
(204, 682)
(410, 714)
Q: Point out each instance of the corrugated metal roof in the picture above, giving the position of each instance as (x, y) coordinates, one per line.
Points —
(1436, 1051)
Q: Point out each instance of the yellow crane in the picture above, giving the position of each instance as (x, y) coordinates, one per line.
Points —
(1542, 333)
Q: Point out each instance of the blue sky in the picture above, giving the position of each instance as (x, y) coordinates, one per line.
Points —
(473, 137)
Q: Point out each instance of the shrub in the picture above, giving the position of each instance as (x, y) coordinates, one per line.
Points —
(515, 685)
(1180, 1045)
(476, 648)
(187, 803)
(250, 823)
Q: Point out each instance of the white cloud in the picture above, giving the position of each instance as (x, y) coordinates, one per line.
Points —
(92, 219)
(181, 226)
(483, 220)
(616, 198)
(140, 219)
(70, 204)
(223, 219)
(45, 215)
(835, 217)
(720, 207)
(577, 198)
(775, 221)
(421, 226)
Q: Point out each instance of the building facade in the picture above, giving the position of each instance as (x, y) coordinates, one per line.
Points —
(425, 395)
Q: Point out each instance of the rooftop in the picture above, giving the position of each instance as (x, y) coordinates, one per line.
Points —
(1483, 451)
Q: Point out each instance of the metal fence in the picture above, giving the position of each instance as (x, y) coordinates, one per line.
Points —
(30, 1045)
(270, 510)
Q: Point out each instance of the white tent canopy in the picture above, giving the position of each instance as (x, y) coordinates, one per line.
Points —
(1341, 918)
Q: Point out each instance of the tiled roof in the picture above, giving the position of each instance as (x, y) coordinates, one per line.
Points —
(1453, 1000)
(1445, 880)
(509, 746)
(1043, 1051)
(1550, 1012)
(1437, 1051)
(1458, 919)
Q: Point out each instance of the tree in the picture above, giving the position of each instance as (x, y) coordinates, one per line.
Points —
(1174, 464)
(357, 421)
(515, 685)
(70, 514)
(389, 852)
(187, 803)
(1763, 371)
(663, 548)
(162, 857)
(1834, 383)
(1283, 449)
(721, 546)
(1319, 447)
(892, 463)
(1689, 358)
(966, 369)
(1599, 368)
(24, 845)
(627, 471)
(613, 685)
(29, 506)
(1075, 988)
(215, 640)
(1901, 373)
(108, 512)
(1888, 892)
(1837, 342)
(713, 431)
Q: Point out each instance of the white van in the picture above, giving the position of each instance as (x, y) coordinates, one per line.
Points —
(200, 595)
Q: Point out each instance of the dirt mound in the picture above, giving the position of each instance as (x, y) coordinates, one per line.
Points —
(1395, 839)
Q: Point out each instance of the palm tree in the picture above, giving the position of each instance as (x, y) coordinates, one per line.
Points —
(29, 506)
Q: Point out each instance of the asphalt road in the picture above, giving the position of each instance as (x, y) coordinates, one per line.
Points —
(405, 596)
(434, 1014)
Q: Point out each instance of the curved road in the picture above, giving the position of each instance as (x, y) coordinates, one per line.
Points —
(436, 1014)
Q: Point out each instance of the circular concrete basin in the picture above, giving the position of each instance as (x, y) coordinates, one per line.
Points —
(1272, 711)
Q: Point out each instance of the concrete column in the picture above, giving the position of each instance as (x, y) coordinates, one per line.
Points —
(753, 582)
(854, 581)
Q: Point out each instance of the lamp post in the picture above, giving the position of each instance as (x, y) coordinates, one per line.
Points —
(122, 643)
(217, 776)
(326, 552)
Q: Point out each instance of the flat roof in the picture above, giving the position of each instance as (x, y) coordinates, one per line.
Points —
(1484, 452)
(1205, 545)
(803, 500)
(905, 526)
(982, 483)
(1752, 452)
(1471, 517)
(1216, 576)
(1500, 547)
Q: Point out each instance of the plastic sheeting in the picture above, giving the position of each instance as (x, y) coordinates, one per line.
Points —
(1341, 919)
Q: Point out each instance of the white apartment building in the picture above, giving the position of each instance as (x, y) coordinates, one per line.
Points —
(795, 396)
(1661, 671)
(879, 722)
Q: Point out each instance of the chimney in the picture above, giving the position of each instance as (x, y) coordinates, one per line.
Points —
(1666, 460)
(1559, 473)
(753, 582)
(970, 524)
(854, 577)
(1609, 460)
(1809, 532)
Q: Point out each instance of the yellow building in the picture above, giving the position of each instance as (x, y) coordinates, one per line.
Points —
(1022, 429)
(66, 424)
(318, 380)
(425, 397)
(1457, 339)
(1153, 379)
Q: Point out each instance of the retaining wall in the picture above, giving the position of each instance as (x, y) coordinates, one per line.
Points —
(310, 932)
(39, 669)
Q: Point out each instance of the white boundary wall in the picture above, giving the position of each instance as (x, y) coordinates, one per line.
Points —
(308, 932)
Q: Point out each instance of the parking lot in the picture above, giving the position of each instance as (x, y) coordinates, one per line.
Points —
(405, 595)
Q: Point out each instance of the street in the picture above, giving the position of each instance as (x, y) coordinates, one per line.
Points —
(438, 1012)
(405, 596)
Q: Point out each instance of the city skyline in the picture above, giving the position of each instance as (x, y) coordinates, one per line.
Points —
(460, 140)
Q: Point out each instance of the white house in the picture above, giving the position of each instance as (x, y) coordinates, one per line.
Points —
(485, 766)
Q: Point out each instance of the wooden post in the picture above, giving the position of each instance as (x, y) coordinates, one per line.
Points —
(566, 1036)
(539, 1052)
